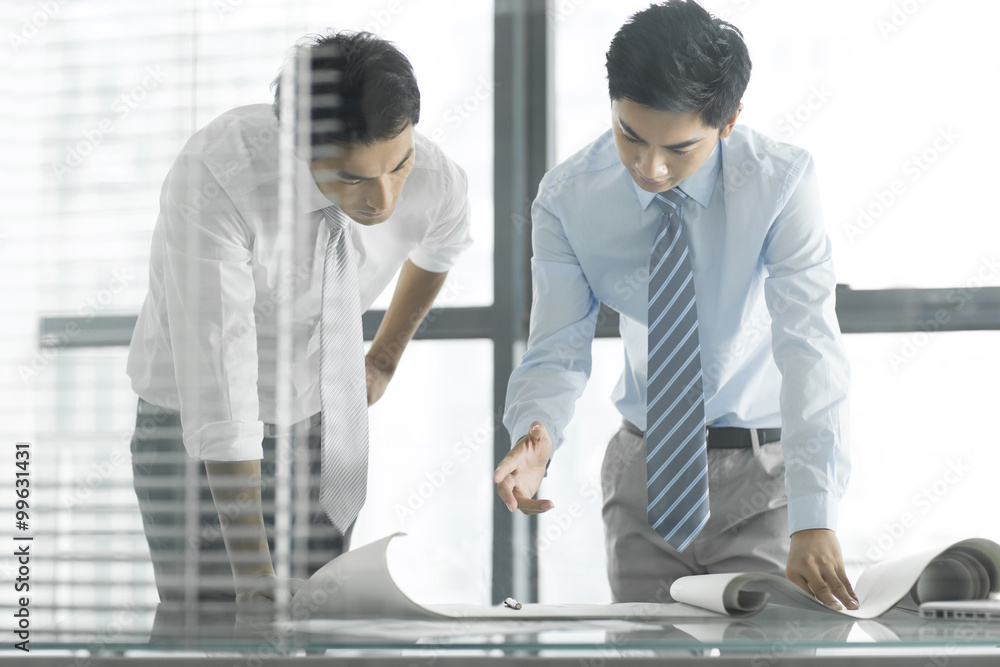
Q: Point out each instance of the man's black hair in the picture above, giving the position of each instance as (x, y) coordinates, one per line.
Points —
(674, 56)
(361, 87)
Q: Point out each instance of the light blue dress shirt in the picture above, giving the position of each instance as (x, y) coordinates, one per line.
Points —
(771, 347)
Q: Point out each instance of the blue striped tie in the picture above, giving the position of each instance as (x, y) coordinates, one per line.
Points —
(343, 394)
(676, 461)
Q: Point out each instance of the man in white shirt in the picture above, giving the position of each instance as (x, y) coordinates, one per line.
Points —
(758, 346)
(204, 354)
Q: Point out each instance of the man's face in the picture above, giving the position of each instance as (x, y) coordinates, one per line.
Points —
(660, 149)
(366, 181)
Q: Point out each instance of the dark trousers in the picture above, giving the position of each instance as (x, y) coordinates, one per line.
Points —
(181, 521)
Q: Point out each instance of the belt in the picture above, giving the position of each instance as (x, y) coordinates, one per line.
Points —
(725, 437)
(271, 430)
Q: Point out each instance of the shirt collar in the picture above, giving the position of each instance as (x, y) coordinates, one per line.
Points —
(699, 186)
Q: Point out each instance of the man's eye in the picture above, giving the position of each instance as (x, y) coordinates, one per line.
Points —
(631, 140)
(349, 182)
(681, 152)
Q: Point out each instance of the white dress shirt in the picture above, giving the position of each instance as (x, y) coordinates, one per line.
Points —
(771, 348)
(206, 338)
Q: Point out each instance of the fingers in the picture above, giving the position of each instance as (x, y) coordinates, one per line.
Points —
(506, 467)
(844, 590)
(815, 586)
(822, 592)
(255, 599)
(816, 565)
(532, 506)
(846, 596)
(503, 477)
(505, 489)
(514, 499)
(535, 507)
(511, 462)
(829, 588)
(842, 575)
(516, 456)
(515, 476)
(246, 597)
(262, 590)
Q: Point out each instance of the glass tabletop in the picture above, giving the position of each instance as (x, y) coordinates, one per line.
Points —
(773, 632)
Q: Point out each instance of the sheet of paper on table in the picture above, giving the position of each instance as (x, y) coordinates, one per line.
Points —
(358, 585)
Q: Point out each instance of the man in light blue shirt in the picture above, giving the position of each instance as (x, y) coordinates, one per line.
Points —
(770, 347)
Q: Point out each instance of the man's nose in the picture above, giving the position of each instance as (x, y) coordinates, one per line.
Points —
(379, 194)
(651, 165)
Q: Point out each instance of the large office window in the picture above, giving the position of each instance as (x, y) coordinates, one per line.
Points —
(888, 96)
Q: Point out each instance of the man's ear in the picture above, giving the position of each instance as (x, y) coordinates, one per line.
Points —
(727, 129)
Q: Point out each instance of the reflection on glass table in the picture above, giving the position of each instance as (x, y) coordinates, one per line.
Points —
(772, 634)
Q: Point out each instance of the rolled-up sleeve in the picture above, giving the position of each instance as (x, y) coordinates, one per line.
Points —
(557, 363)
(809, 352)
(210, 295)
(448, 236)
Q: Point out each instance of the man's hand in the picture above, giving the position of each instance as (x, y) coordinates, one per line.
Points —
(253, 590)
(816, 565)
(520, 473)
(377, 378)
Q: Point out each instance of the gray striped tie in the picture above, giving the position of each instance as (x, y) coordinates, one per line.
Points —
(676, 462)
(343, 392)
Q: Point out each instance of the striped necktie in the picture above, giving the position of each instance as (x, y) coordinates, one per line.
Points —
(676, 461)
(343, 392)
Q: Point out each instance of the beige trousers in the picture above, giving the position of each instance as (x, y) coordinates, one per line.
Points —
(747, 529)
